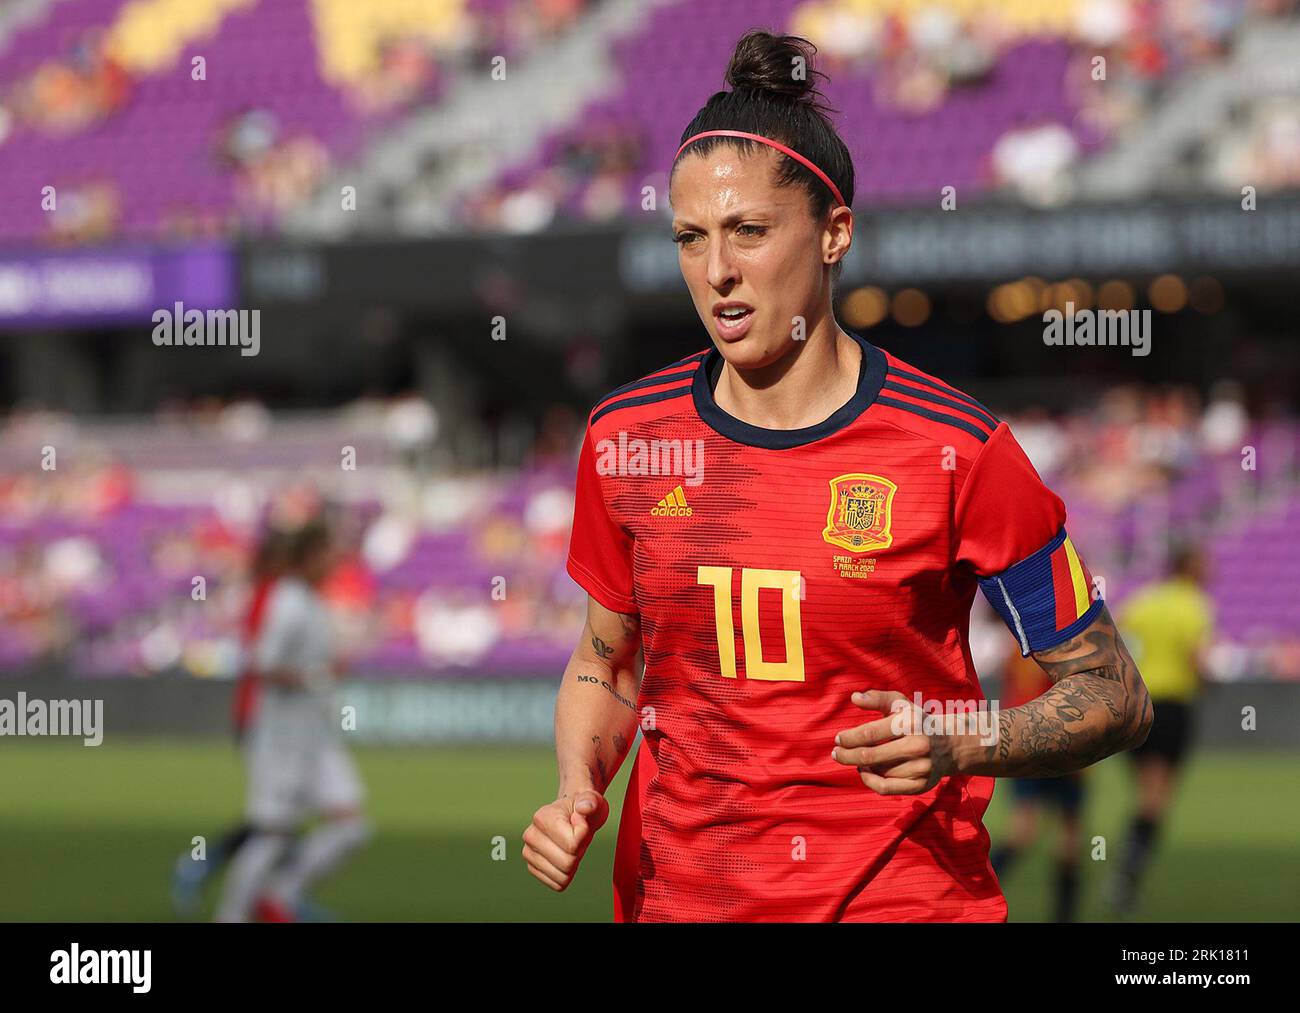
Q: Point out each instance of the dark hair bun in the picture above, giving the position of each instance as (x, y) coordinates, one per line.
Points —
(780, 65)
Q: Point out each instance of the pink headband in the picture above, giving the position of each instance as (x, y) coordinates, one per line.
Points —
(788, 152)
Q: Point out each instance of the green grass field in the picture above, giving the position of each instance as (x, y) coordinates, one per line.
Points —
(90, 834)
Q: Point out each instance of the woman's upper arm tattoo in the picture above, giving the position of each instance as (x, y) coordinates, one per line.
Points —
(614, 643)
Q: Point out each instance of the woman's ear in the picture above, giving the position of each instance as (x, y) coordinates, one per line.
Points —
(837, 237)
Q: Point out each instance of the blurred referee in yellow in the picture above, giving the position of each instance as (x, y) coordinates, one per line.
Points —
(1168, 626)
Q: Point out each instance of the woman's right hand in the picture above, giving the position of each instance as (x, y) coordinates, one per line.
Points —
(559, 835)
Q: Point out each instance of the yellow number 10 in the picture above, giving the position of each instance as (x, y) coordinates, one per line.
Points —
(790, 583)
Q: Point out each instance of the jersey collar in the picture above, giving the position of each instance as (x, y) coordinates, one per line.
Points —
(870, 378)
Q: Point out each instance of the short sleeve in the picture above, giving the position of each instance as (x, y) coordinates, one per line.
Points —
(1011, 533)
(600, 549)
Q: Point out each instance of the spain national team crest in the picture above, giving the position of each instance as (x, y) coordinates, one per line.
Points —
(859, 517)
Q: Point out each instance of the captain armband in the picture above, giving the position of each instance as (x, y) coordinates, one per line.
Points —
(1046, 598)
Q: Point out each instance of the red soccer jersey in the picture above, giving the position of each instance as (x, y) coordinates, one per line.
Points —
(775, 573)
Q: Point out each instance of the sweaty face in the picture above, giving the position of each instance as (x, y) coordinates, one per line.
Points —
(752, 255)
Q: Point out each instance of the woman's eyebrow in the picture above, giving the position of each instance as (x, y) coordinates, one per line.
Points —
(731, 218)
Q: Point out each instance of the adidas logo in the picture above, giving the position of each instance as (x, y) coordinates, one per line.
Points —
(672, 505)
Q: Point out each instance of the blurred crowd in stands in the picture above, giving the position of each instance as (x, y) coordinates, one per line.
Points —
(312, 83)
(300, 88)
(75, 91)
(918, 59)
(448, 573)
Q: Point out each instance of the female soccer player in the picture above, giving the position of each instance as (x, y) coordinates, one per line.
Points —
(298, 765)
(781, 537)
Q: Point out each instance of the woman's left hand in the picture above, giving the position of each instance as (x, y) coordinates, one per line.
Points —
(893, 754)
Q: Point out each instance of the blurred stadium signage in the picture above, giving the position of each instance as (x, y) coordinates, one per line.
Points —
(111, 286)
(999, 242)
(422, 710)
(449, 274)
(461, 711)
(577, 275)
(991, 243)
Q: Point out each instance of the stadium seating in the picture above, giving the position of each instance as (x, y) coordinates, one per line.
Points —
(106, 92)
(930, 95)
(927, 94)
(97, 565)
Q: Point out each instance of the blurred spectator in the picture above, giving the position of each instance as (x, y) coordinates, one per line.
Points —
(69, 94)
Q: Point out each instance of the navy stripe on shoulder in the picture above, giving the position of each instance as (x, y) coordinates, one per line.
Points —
(918, 378)
(969, 427)
(630, 402)
(947, 402)
(690, 358)
(649, 381)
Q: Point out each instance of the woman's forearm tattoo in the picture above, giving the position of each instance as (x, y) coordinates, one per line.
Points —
(1095, 708)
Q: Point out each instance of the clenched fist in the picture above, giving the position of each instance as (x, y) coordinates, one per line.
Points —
(559, 835)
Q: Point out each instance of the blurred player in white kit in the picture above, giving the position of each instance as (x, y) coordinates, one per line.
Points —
(298, 767)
